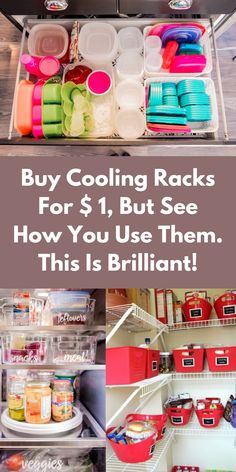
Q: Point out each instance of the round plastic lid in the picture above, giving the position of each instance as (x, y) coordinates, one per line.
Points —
(99, 82)
(49, 66)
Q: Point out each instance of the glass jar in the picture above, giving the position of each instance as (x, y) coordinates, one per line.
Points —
(37, 402)
(62, 400)
(16, 396)
(166, 362)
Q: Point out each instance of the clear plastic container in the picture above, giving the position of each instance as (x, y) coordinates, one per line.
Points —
(130, 124)
(152, 43)
(130, 38)
(71, 308)
(166, 362)
(74, 349)
(20, 349)
(153, 61)
(98, 42)
(22, 311)
(130, 66)
(48, 39)
(129, 94)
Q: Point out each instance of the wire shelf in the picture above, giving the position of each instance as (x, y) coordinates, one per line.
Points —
(147, 386)
(114, 465)
(204, 376)
(194, 429)
(213, 323)
(138, 320)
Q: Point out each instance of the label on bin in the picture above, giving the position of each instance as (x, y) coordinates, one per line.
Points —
(154, 365)
(229, 310)
(222, 360)
(152, 449)
(188, 362)
(177, 419)
(208, 421)
(195, 313)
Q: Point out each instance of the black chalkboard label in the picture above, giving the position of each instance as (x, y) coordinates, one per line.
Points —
(195, 313)
(222, 361)
(154, 365)
(152, 449)
(177, 419)
(209, 421)
(229, 310)
(188, 362)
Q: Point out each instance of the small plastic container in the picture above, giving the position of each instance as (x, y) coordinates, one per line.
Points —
(225, 306)
(24, 349)
(74, 349)
(48, 39)
(221, 359)
(166, 362)
(49, 66)
(153, 61)
(130, 38)
(130, 124)
(98, 42)
(99, 82)
(129, 94)
(71, 308)
(129, 66)
(23, 107)
(152, 43)
(189, 360)
(133, 361)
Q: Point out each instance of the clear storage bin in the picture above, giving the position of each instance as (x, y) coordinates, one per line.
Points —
(24, 349)
(28, 313)
(74, 349)
(71, 308)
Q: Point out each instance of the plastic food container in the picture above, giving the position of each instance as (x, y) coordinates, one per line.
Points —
(179, 416)
(221, 359)
(157, 421)
(129, 66)
(74, 349)
(225, 306)
(152, 43)
(71, 308)
(48, 40)
(98, 42)
(209, 417)
(130, 38)
(197, 309)
(23, 107)
(189, 360)
(133, 453)
(153, 61)
(166, 362)
(125, 365)
(129, 94)
(24, 349)
(130, 124)
(153, 361)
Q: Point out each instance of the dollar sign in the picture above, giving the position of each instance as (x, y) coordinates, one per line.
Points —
(87, 208)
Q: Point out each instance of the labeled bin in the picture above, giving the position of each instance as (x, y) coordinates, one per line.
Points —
(125, 365)
(225, 306)
(133, 453)
(209, 416)
(197, 309)
(157, 421)
(153, 362)
(221, 359)
(189, 360)
(21, 349)
(179, 416)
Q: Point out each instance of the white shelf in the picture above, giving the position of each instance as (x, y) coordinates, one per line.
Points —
(212, 323)
(51, 329)
(204, 376)
(64, 366)
(147, 385)
(194, 429)
(114, 465)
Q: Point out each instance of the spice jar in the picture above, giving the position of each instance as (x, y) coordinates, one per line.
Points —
(166, 362)
(62, 400)
(37, 402)
(16, 395)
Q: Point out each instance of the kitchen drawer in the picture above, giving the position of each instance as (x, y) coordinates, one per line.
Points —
(162, 7)
(147, 139)
(75, 7)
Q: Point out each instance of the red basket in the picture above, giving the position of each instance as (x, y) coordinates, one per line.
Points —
(197, 309)
(189, 360)
(153, 361)
(132, 453)
(179, 416)
(225, 306)
(221, 359)
(158, 422)
(125, 365)
(209, 418)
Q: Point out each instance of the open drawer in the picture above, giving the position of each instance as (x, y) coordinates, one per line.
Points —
(211, 134)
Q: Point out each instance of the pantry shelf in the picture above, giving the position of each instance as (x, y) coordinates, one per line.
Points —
(51, 329)
(114, 465)
(131, 318)
(213, 323)
(63, 366)
(205, 376)
(194, 429)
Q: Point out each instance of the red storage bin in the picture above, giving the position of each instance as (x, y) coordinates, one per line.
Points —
(153, 361)
(179, 416)
(225, 306)
(125, 365)
(207, 417)
(132, 453)
(221, 359)
(197, 309)
(189, 360)
(158, 422)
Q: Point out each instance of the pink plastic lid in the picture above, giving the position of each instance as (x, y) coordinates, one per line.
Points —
(99, 82)
(192, 63)
(49, 66)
